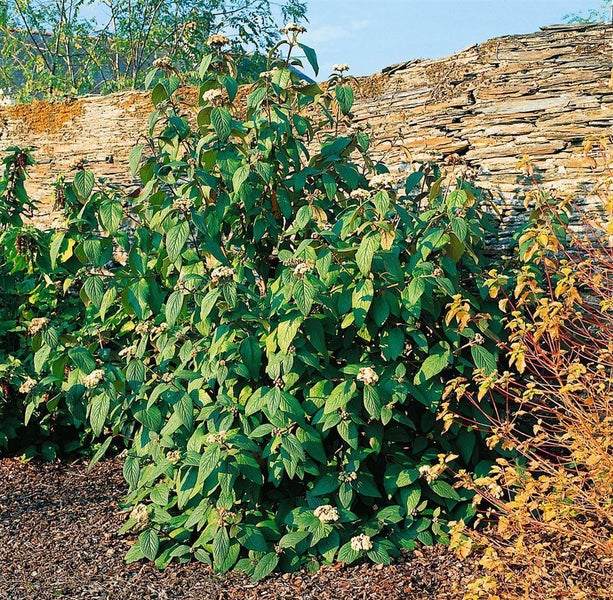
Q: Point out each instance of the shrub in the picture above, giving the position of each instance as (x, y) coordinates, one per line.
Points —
(269, 324)
(556, 495)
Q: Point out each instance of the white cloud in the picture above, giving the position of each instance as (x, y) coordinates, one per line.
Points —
(325, 34)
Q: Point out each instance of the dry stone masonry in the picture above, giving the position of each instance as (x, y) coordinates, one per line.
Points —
(483, 108)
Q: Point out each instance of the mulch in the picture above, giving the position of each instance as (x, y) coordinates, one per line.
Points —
(58, 539)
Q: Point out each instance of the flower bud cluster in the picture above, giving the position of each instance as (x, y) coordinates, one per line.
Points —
(37, 325)
(140, 514)
(218, 40)
(164, 63)
(183, 204)
(302, 268)
(217, 438)
(120, 256)
(27, 386)
(293, 28)
(222, 274)
(173, 456)
(361, 543)
(326, 513)
(360, 194)
(347, 477)
(367, 376)
(383, 181)
(340, 68)
(127, 352)
(94, 379)
(216, 97)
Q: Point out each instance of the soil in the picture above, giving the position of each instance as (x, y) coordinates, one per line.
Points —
(58, 539)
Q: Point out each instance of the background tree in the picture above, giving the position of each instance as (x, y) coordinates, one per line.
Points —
(55, 47)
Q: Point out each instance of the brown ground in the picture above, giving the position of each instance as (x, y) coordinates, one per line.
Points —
(58, 540)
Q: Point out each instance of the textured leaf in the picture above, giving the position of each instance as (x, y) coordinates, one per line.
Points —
(304, 294)
(266, 565)
(311, 57)
(483, 358)
(83, 183)
(149, 543)
(344, 97)
(368, 246)
(174, 306)
(222, 122)
(175, 240)
(99, 410)
(111, 214)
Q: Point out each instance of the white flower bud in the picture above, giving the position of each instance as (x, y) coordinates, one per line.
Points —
(361, 543)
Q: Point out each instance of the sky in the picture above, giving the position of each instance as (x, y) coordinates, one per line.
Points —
(369, 35)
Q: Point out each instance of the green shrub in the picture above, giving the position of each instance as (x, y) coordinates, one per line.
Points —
(269, 325)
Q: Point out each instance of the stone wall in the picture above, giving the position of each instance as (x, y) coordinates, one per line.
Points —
(485, 107)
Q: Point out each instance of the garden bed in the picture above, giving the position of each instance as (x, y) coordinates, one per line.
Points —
(58, 535)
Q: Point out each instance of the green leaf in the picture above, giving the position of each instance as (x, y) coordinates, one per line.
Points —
(208, 462)
(344, 97)
(361, 299)
(131, 471)
(221, 546)
(107, 301)
(415, 290)
(444, 490)
(134, 158)
(292, 539)
(94, 289)
(135, 374)
(222, 122)
(251, 355)
(185, 409)
(56, 244)
(50, 337)
(83, 183)
(340, 396)
(347, 554)
(240, 176)
(111, 214)
(158, 94)
(483, 359)
(82, 359)
(304, 295)
(379, 555)
(99, 453)
(149, 543)
(372, 403)
(440, 357)
(266, 565)
(174, 306)
(311, 57)
(459, 227)
(175, 240)
(287, 330)
(392, 343)
(368, 246)
(99, 409)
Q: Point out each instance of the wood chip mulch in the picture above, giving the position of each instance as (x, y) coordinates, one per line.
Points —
(58, 539)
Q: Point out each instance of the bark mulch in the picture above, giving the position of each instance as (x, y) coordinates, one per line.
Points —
(58, 540)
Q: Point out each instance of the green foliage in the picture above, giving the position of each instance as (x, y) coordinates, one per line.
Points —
(269, 325)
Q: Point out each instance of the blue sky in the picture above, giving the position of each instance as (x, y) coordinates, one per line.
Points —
(372, 34)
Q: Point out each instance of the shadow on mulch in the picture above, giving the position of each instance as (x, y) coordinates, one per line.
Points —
(58, 540)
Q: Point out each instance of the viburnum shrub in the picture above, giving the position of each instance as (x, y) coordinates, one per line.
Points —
(269, 325)
(28, 311)
(554, 406)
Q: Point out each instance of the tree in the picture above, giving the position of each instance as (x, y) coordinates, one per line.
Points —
(53, 47)
(593, 15)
